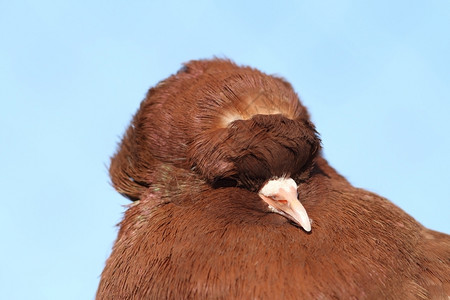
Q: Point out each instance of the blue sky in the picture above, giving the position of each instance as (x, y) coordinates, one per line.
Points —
(374, 75)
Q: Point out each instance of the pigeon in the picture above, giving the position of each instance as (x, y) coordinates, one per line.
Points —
(233, 199)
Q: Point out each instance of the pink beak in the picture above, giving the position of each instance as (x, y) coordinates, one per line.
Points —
(281, 196)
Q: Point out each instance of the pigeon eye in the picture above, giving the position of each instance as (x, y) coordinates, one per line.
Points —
(224, 182)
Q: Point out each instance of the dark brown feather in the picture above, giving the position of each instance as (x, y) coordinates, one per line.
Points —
(188, 121)
(198, 230)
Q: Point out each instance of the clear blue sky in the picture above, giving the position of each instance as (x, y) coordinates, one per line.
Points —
(374, 74)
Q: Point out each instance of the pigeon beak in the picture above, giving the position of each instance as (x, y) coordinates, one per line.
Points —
(282, 199)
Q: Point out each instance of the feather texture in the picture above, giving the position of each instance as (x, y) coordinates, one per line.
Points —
(201, 146)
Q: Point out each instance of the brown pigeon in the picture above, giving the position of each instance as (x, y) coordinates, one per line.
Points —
(233, 200)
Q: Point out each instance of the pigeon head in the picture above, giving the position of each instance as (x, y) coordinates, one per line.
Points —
(232, 126)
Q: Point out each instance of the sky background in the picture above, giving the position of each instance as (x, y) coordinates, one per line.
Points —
(374, 74)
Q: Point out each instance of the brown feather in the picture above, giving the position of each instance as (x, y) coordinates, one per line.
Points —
(201, 145)
(181, 122)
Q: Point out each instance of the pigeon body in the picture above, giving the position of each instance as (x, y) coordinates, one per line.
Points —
(209, 160)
